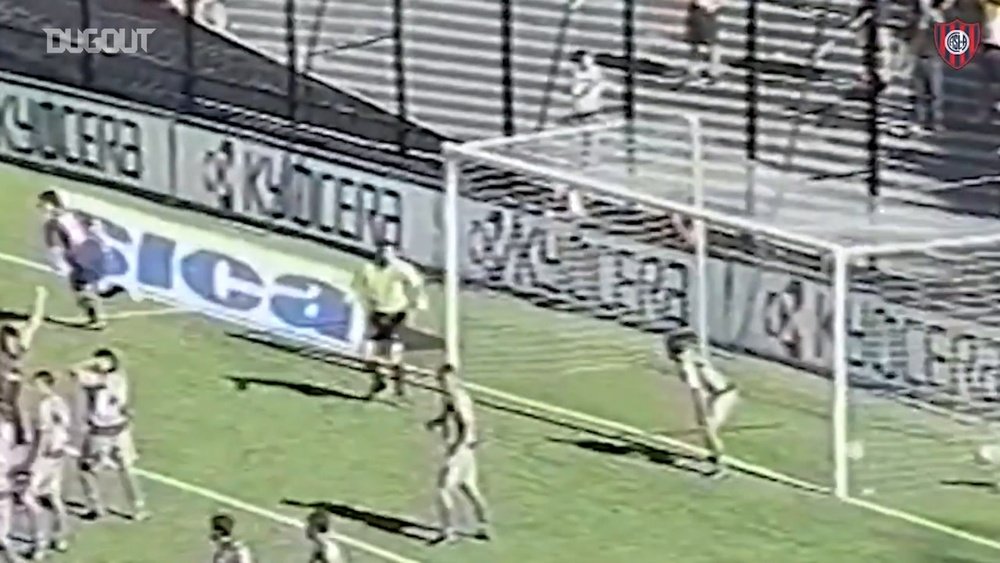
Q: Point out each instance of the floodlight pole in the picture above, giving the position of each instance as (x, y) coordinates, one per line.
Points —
(841, 482)
(449, 216)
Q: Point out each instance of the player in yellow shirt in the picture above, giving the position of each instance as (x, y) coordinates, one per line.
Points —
(389, 288)
(712, 394)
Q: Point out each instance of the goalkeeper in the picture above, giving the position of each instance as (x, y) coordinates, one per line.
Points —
(389, 288)
(712, 394)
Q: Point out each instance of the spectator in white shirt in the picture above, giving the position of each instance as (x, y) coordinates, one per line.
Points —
(702, 36)
(588, 87)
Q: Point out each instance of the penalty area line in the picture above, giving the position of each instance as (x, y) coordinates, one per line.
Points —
(266, 514)
(203, 492)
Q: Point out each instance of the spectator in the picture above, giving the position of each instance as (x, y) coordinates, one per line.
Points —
(989, 59)
(702, 36)
(926, 77)
(210, 13)
(587, 88)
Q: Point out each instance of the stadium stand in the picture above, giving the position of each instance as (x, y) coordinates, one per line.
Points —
(229, 82)
(812, 132)
(812, 113)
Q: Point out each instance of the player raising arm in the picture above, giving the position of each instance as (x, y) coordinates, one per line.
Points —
(389, 289)
(74, 250)
(46, 464)
(459, 475)
(15, 342)
(713, 396)
(228, 549)
(107, 440)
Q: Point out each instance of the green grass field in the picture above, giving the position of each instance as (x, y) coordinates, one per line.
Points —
(562, 489)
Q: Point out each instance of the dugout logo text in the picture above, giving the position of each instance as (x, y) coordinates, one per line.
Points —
(97, 41)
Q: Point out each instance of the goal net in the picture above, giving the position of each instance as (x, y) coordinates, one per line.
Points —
(863, 342)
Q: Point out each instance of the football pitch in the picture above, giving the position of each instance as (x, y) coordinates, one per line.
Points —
(563, 487)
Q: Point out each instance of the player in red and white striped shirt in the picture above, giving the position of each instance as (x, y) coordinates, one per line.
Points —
(76, 251)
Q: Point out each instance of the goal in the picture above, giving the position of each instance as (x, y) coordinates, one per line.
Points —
(865, 341)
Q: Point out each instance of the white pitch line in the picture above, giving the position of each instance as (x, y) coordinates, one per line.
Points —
(267, 514)
(208, 493)
(146, 313)
(626, 429)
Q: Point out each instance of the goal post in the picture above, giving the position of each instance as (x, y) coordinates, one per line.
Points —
(509, 185)
(861, 375)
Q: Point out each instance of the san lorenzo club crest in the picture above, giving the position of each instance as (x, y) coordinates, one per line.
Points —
(957, 42)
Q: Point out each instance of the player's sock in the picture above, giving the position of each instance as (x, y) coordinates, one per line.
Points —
(398, 381)
(92, 309)
(446, 506)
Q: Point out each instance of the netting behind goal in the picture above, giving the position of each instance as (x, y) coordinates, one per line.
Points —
(566, 292)
(925, 385)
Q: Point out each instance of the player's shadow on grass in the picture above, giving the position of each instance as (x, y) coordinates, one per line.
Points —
(633, 449)
(242, 383)
(984, 484)
(12, 316)
(396, 525)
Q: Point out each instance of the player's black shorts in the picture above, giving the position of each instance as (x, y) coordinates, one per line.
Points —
(383, 327)
(86, 265)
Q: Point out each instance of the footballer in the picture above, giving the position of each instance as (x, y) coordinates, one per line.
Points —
(228, 549)
(459, 475)
(15, 342)
(319, 532)
(390, 289)
(9, 456)
(713, 396)
(75, 250)
(46, 461)
(107, 437)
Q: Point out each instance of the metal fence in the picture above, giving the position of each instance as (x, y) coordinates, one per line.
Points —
(814, 89)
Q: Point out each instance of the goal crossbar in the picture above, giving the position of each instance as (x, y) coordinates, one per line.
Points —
(478, 153)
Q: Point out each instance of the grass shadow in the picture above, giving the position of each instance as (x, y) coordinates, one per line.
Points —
(396, 525)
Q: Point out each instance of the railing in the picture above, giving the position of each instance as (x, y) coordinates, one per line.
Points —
(808, 88)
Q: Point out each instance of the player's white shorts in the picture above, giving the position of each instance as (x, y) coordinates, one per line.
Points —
(460, 469)
(47, 477)
(105, 447)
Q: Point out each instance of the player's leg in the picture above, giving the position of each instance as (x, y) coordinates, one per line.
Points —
(89, 462)
(123, 455)
(52, 494)
(468, 478)
(7, 553)
(378, 335)
(702, 411)
(396, 350)
(721, 407)
(447, 487)
(30, 501)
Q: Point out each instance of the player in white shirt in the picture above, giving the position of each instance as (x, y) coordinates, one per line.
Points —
(318, 531)
(107, 440)
(713, 396)
(15, 342)
(228, 549)
(75, 250)
(46, 463)
(9, 469)
(459, 475)
(389, 289)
